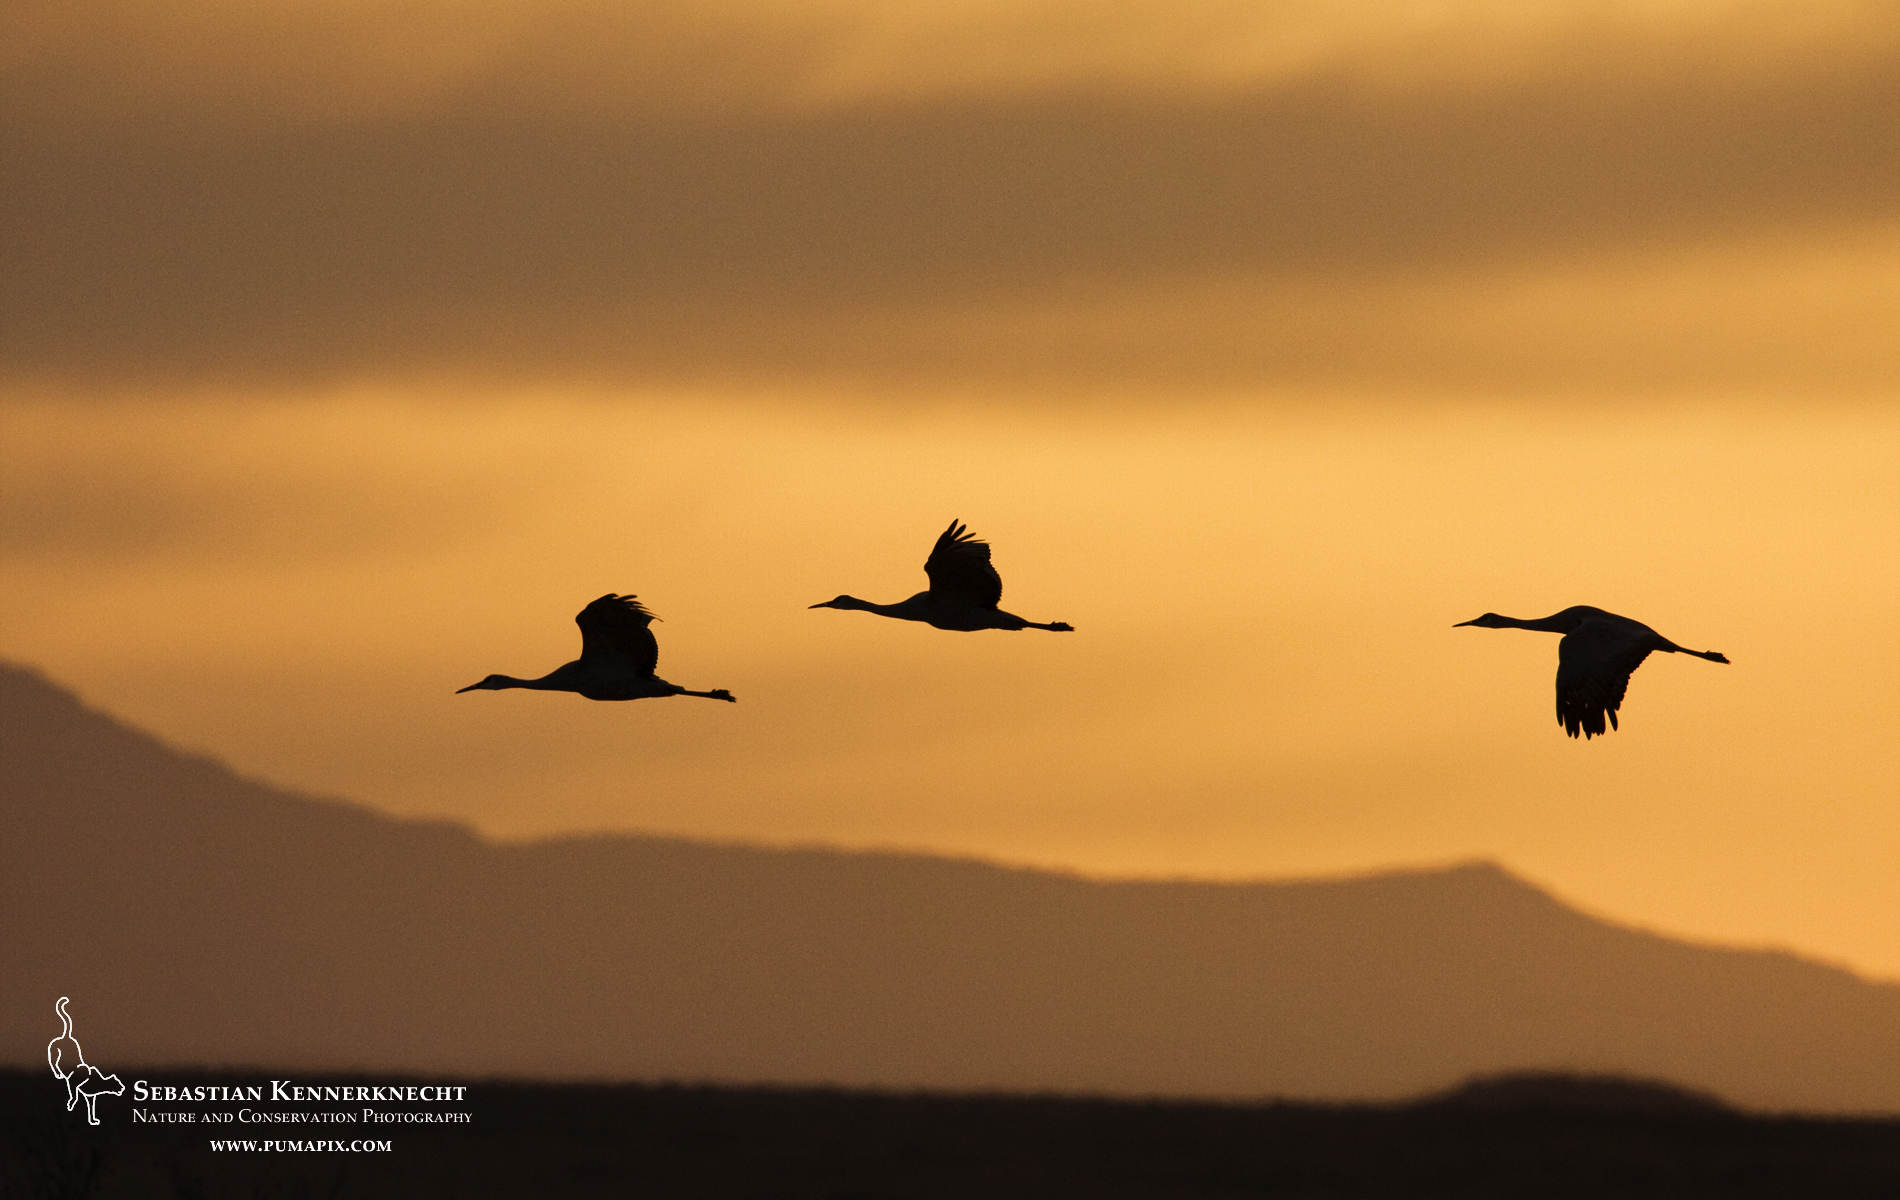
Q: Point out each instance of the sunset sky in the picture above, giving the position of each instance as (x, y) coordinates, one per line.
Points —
(349, 347)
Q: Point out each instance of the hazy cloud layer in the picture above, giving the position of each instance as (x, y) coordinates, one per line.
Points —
(742, 191)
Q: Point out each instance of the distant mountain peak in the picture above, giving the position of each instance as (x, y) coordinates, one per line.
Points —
(1561, 1091)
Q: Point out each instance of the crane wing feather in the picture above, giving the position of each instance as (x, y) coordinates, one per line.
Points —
(616, 630)
(1594, 664)
(960, 570)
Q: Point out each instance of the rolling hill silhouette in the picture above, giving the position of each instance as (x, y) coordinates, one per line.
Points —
(198, 917)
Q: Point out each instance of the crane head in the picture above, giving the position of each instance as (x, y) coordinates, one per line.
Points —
(493, 683)
(841, 602)
(1487, 621)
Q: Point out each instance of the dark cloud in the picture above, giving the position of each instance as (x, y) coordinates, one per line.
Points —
(487, 237)
(115, 510)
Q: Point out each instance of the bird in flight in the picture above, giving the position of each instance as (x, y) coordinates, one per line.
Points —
(618, 654)
(1598, 653)
(964, 590)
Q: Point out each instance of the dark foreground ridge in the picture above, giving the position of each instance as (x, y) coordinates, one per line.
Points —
(1547, 1137)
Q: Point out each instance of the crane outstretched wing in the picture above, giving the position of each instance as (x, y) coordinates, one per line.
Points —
(615, 629)
(959, 568)
(1594, 663)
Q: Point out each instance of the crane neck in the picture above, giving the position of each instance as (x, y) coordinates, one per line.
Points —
(913, 609)
(1562, 622)
(553, 681)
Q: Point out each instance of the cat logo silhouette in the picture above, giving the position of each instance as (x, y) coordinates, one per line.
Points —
(82, 1079)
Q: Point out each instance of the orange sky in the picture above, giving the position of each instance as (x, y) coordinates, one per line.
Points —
(349, 349)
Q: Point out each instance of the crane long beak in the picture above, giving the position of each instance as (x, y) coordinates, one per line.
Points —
(471, 687)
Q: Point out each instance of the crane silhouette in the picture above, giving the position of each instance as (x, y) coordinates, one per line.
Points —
(964, 590)
(618, 654)
(1595, 659)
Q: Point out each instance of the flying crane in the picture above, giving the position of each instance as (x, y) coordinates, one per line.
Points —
(618, 654)
(963, 594)
(1598, 652)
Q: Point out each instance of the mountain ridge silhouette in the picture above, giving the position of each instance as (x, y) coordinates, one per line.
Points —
(197, 917)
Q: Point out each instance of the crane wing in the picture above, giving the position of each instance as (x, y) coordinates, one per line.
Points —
(1594, 663)
(959, 569)
(615, 630)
